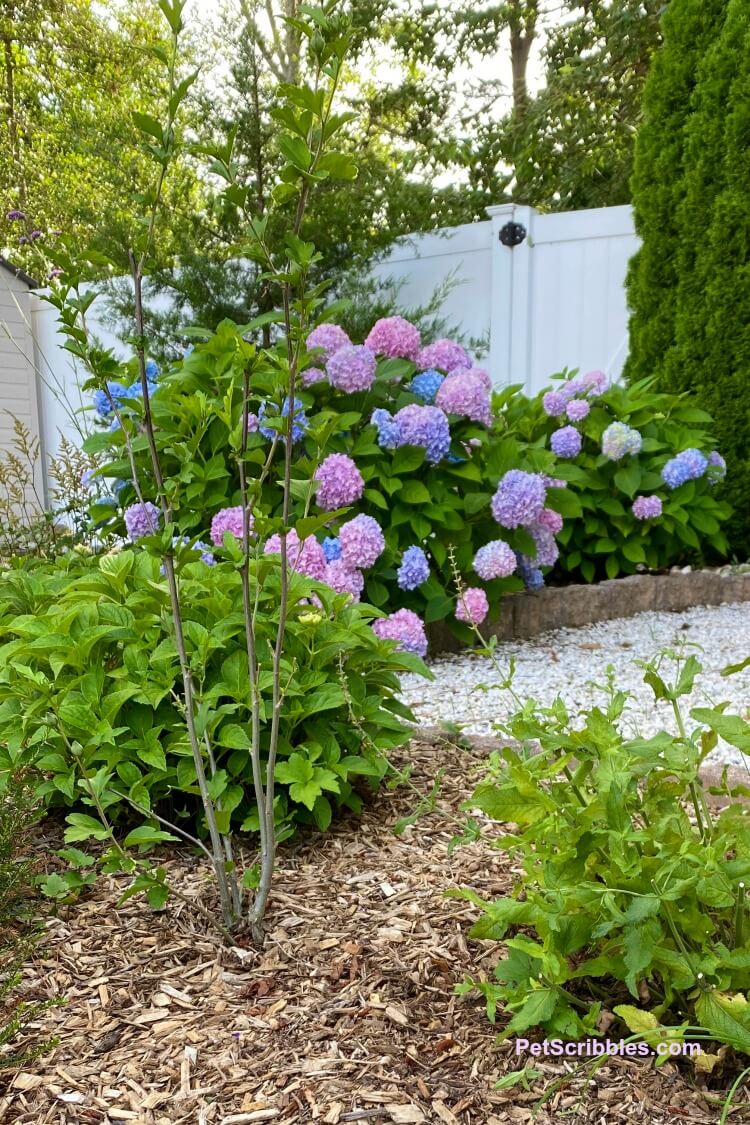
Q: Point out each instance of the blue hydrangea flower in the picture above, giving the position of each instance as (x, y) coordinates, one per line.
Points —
(299, 427)
(103, 400)
(426, 385)
(387, 428)
(532, 576)
(152, 370)
(688, 465)
(414, 569)
(566, 442)
(331, 548)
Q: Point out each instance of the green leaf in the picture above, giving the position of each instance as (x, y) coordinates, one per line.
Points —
(83, 827)
(145, 834)
(727, 1017)
(635, 1019)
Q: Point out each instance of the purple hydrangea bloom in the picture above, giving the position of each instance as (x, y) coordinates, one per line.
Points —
(343, 579)
(425, 426)
(207, 555)
(472, 606)
(86, 477)
(331, 548)
(554, 482)
(578, 409)
(414, 569)
(142, 519)
(394, 337)
(312, 375)
(329, 338)
(299, 426)
(572, 389)
(532, 576)
(445, 355)
(618, 440)
(554, 403)
(352, 368)
(362, 542)
(229, 519)
(339, 482)
(303, 555)
(388, 430)
(426, 385)
(253, 423)
(688, 465)
(566, 442)
(405, 627)
(647, 507)
(494, 560)
(595, 382)
(519, 498)
(465, 393)
(717, 467)
(547, 551)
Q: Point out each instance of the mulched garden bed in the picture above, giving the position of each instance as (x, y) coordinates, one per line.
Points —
(347, 1015)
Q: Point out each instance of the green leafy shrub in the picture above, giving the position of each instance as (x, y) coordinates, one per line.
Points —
(605, 538)
(89, 692)
(633, 893)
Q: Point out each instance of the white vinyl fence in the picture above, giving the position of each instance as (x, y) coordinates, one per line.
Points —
(554, 299)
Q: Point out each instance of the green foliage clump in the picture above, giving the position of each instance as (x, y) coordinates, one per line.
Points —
(90, 692)
(604, 539)
(687, 284)
(633, 892)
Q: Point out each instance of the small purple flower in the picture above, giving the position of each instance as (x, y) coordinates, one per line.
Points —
(550, 520)
(55, 273)
(352, 368)
(519, 498)
(554, 403)
(394, 337)
(444, 355)
(328, 338)
(16, 216)
(303, 555)
(141, 519)
(595, 382)
(253, 423)
(339, 482)
(578, 409)
(299, 426)
(647, 507)
(86, 477)
(207, 555)
(362, 542)
(619, 440)
(426, 385)
(465, 393)
(566, 442)
(331, 548)
(717, 467)
(405, 627)
(472, 606)
(229, 519)
(312, 375)
(343, 579)
(414, 569)
(688, 465)
(494, 560)
(547, 551)
(34, 235)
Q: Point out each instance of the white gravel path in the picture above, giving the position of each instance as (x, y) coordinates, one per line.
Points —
(569, 662)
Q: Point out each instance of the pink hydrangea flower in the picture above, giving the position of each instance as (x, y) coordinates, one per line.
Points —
(547, 551)
(551, 520)
(595, 382)
(480, 373)
(405, 627)
(647, 507)
(394, 337)
(303, 555)
(444, 355)
(340, 482)
(495, 560)
(329, 338)
(578, 409)
(472, 606)
(362, 542)
(343, 579)
(464, 393)
(229, 519)
(352, 368)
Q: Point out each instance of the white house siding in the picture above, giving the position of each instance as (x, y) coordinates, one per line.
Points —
(18, 384)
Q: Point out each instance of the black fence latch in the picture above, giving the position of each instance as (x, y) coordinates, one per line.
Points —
(512, 234)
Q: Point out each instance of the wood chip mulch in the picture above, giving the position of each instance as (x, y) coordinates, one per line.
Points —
(348, 1014)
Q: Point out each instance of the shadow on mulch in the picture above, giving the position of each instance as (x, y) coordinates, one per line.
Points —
(347, 1014)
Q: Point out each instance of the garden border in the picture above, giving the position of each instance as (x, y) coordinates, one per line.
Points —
(529, 613)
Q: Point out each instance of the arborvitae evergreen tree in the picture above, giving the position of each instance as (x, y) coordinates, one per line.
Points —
(711, 352)
(689, 27)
